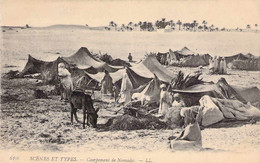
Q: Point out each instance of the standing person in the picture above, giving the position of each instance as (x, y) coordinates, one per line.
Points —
(211, 65)
(224, 66)
(125, 94)
(116, 92)
(66, 82)
(130, 58)
(106, 83)
(165, 100)
(215, 65)
(221, 66)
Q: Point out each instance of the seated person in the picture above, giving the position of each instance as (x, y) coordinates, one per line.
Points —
(178, 100)
(190, 138)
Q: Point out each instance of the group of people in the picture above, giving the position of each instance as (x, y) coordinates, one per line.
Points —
(218, 65)
(66, 84)
(167, 100)
(190, 138)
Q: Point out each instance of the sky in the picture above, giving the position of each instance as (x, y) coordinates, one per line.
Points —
(221, 13)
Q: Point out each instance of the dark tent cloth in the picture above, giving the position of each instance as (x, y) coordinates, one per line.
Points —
(183, 58)
(136, 79)
(49, 70)
(251, 94)
(239, 56)
(84, 59)
(193, 61)
(220, 90)
(177, 55)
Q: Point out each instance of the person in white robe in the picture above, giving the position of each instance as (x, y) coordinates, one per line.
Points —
(224, 66)
(125, 95)
(66, 81)
(215, 64)
(165, 100)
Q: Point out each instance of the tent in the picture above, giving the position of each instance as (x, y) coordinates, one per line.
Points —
(243, 62)
(79, 63)
(175, 56)
(150, 93)
(162, 58)
(49, 70)
(84, 59)
(184, 58)
(249, 64)
(185, 51)
(239, 56)
(150, 66)
(192, 61)
(220, 90)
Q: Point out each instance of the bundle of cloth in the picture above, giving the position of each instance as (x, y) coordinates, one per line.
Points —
(214, 110)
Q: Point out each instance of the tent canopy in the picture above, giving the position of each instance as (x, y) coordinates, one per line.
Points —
(221, 90)
(149, 66)
(84, 59)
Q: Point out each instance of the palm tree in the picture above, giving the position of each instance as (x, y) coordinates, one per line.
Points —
(130, 23)
(111, 23)
(179, 23)
(204, 24)
(185, 26)
(211, 27)
(194, 24)
(256, 27)
(171, 22)
(140, 23)
(200, 28)
(248, 26)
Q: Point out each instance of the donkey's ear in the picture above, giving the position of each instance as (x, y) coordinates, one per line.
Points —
(97, 110)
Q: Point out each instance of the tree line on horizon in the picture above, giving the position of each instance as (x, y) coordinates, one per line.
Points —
(171, 25)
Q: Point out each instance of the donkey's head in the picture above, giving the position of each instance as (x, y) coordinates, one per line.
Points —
(92, 118)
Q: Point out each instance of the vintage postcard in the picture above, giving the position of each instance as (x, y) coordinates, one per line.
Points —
(97, 81)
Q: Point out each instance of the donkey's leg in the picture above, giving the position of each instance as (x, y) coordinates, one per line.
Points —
(87, 120)
(71, 112)
(76, 117)
(84, 118)
(84, 111)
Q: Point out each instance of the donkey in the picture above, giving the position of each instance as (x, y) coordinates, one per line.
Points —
(80, 100)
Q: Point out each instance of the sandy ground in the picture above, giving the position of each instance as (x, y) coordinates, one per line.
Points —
(44, 124)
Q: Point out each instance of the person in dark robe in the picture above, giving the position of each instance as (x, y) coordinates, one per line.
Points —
(130, 58)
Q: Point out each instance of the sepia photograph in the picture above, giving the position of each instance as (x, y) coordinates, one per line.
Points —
(127, 81)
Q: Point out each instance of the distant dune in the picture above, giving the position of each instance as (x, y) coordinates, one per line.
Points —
(71, 27)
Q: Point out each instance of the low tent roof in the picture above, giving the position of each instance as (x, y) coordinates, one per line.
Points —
(223, 90)
(149, 66)
(239, 56)
(49, 70)
(185, 51)
(116, 76)
(84, 59)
